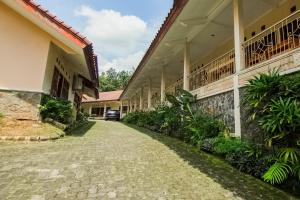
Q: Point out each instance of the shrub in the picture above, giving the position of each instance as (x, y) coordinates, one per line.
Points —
(249, 164)
(178, 119)
(81, 116)
(275, 103)
(131, 118)
(169, 119)
(203, 126)
(224, 146)
(56, 109)
(208, 144)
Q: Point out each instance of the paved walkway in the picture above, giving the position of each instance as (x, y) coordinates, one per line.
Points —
(113, 161)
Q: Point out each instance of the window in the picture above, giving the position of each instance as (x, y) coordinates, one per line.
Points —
(125, 109)
(60, 86)
(253, 33)
(96, 111)
(263, 27)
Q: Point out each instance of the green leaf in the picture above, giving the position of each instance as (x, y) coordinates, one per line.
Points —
(277, 173)
(289, 155)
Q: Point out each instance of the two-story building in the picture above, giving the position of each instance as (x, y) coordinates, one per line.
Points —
(212, 48)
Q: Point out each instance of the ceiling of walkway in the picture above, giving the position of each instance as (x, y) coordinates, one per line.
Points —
(207, 24)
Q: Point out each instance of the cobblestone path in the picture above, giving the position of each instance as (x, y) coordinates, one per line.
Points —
(108, 160)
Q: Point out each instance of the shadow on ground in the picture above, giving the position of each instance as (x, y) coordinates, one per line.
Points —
(240, 184)
(82, 130)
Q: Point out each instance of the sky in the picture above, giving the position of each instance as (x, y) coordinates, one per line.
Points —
(121, 30)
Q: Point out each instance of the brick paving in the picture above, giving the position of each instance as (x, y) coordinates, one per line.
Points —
(108, 160)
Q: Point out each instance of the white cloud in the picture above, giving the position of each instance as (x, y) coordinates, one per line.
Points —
(120, 40)
(122, 63)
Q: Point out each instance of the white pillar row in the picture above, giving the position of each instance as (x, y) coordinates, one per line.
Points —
(163, 85)
(141, 99)
(187, 66)
(130, 105)
(239, 60)
(149, 95)
(104, 114)
(90, 110)
(121, 109)
(135, 104)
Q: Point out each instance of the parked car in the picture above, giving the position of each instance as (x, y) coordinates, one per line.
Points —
(112, 115)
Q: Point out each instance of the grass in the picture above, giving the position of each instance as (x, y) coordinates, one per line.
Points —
(11, 127)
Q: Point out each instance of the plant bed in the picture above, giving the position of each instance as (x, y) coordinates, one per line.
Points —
(21, 130)
(214, 164)
(277, 108)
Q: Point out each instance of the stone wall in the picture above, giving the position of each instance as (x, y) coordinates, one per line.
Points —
(250, 128)
(222, 106)
(20, 105)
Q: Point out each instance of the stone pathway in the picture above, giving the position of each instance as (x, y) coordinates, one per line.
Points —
(108, 160)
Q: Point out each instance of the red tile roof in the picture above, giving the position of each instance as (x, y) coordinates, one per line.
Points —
(103, 96)
(67, 30)
(70, 33)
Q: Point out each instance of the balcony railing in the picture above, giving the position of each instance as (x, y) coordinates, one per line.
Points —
(282, 37)
(217, 69)
(175, 87)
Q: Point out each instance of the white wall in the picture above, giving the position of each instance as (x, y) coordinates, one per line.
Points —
(24, 50)
(56, 58)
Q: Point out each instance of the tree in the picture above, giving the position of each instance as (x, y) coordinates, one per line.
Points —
(112, 80)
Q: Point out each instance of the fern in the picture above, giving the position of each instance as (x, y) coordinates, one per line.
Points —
(297, 171)
(289, 155)
(277, 173)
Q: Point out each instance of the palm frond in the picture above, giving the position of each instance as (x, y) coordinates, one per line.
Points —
(277, 173)
(289, 155)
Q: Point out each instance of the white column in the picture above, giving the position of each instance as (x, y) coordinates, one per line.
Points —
(149, 94)
(90, 110)
(121, 109)
(239, 60)
(187, 66)
(135, 104)
(141, 99)
(130, 106)
(104, 114)
(163, 85)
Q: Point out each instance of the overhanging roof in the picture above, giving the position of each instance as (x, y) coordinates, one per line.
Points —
(207, 25)
(178, 5)
(59, 30)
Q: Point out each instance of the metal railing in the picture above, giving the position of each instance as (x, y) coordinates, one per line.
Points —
(175, 87)
(217, 69)
(277, 39)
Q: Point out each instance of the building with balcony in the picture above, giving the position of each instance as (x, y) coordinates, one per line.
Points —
(40, 55)
(212, 48)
